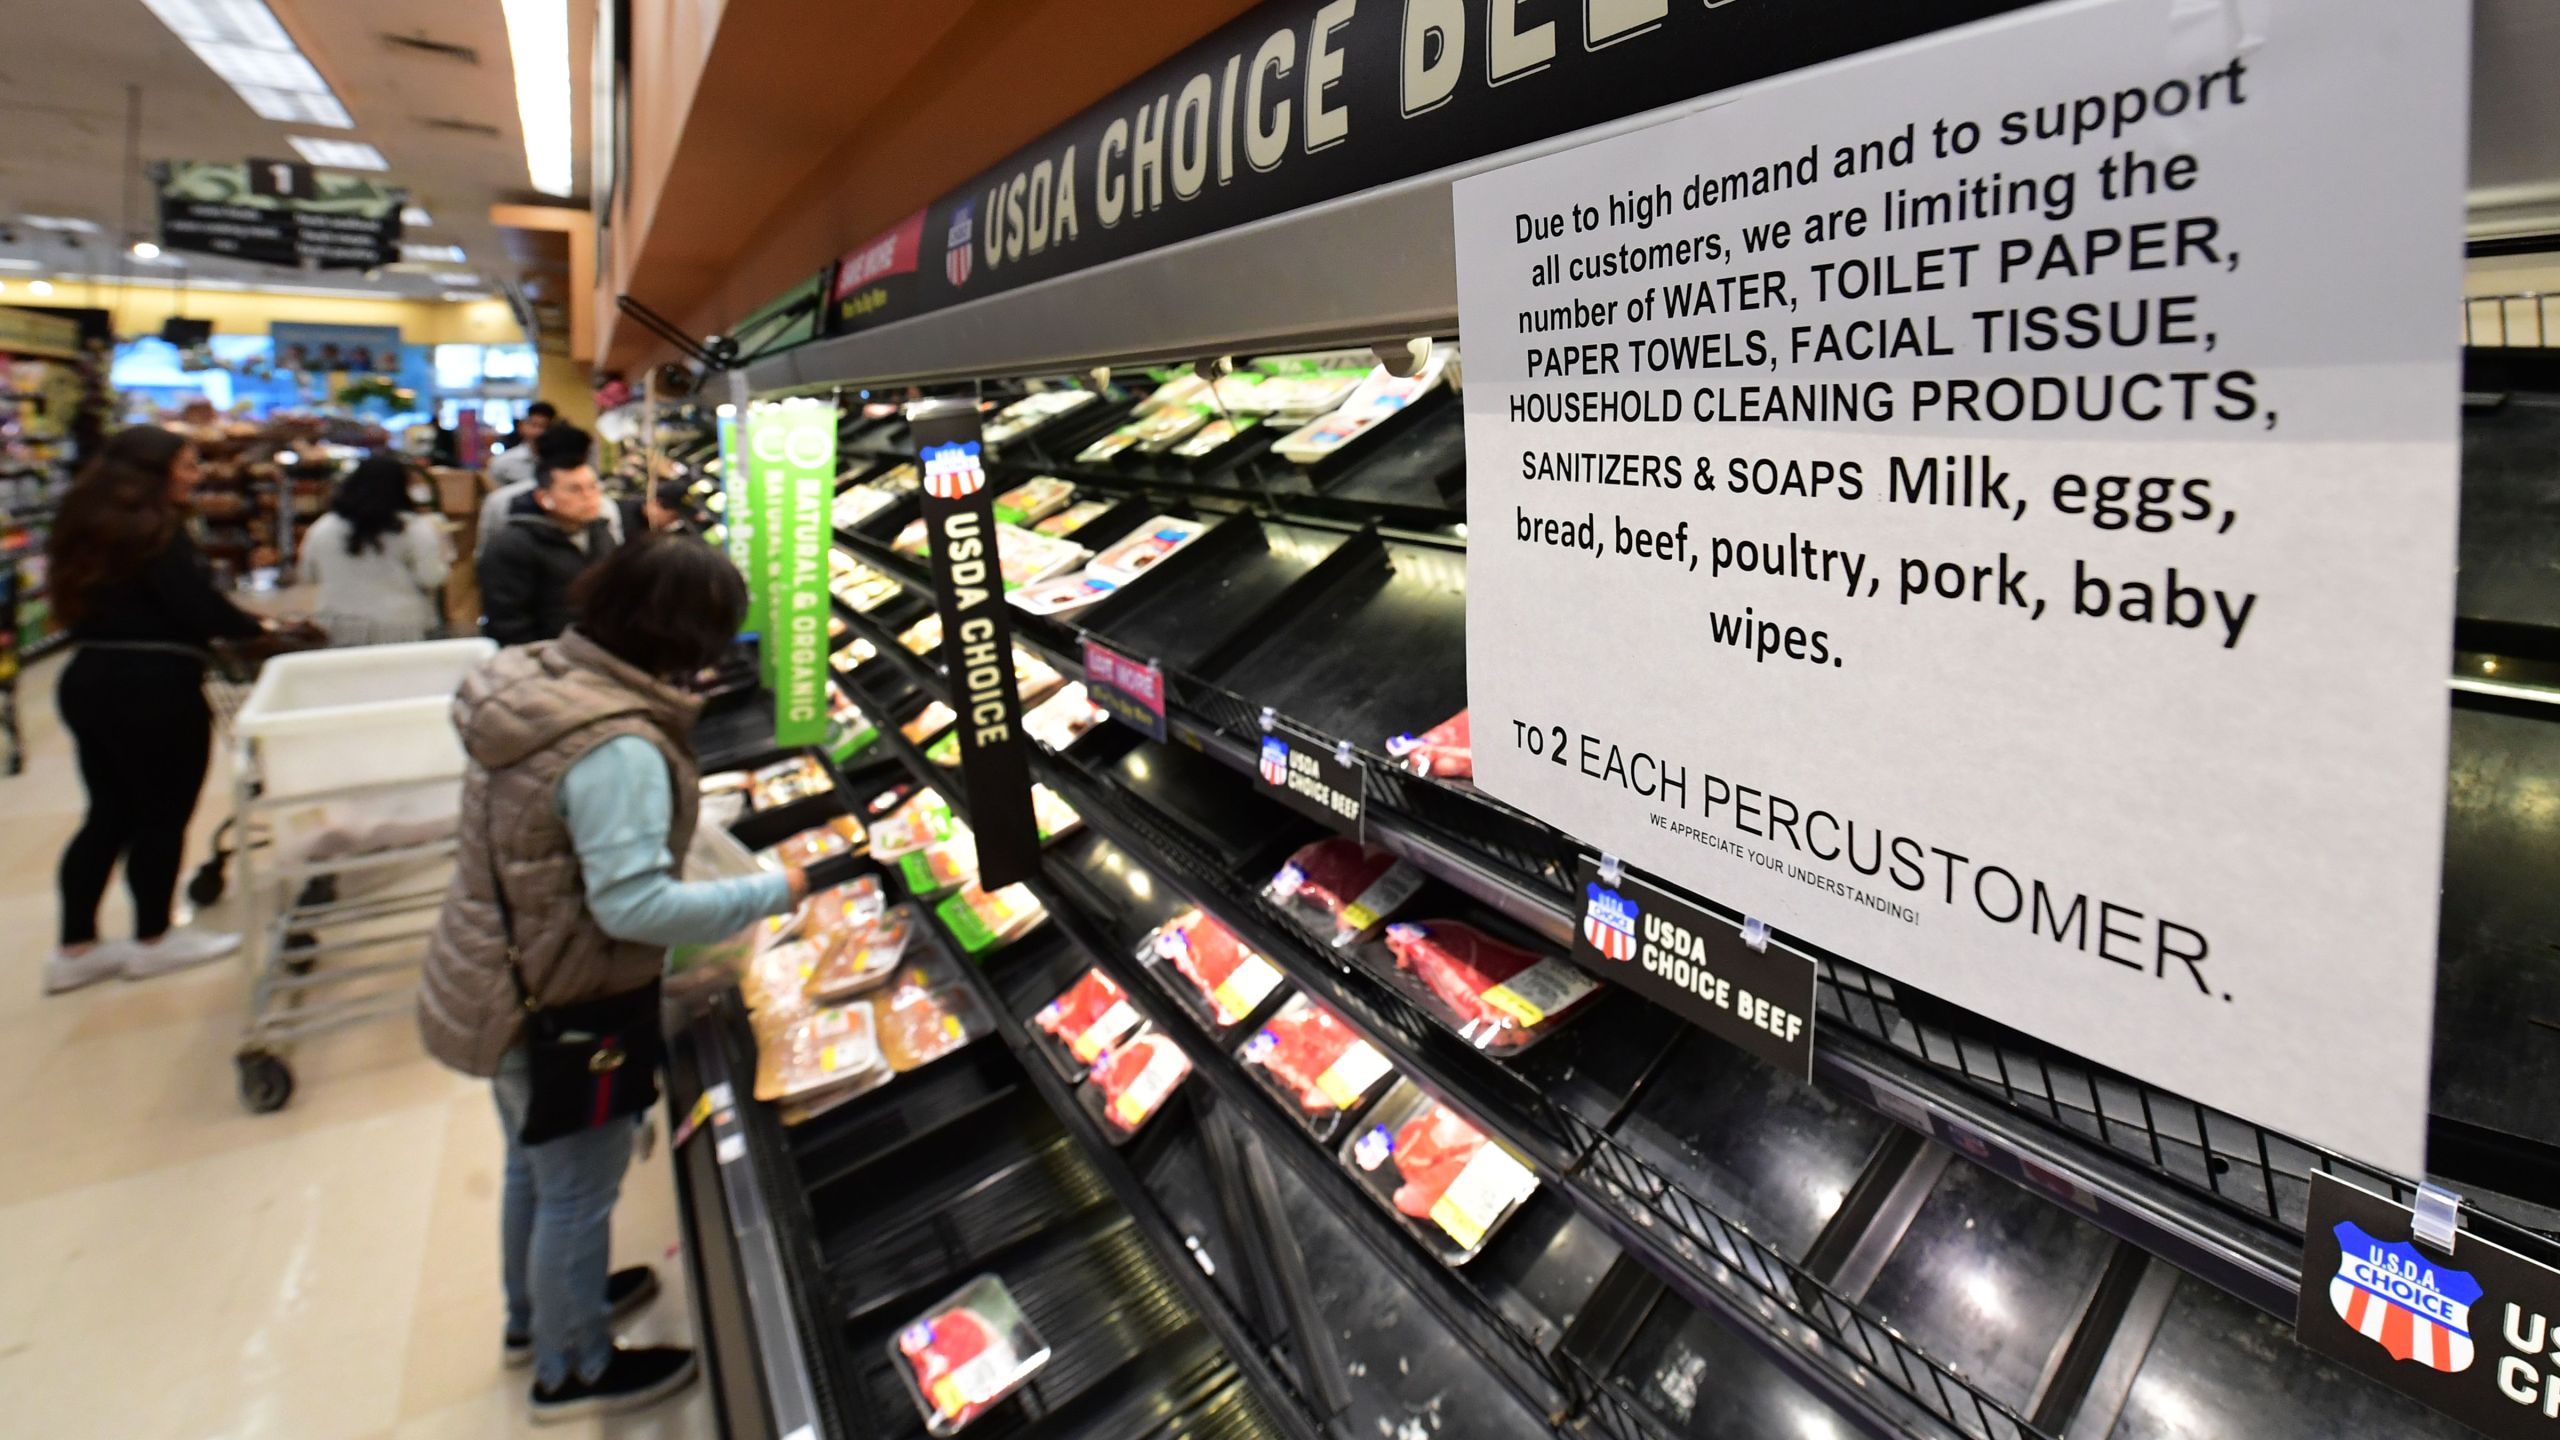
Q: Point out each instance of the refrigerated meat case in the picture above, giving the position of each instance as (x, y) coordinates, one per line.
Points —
(1955, 1230)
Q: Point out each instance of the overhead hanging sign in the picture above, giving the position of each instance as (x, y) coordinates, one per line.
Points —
(977, 639)
(2473, 1331)
(278, 212)
(793, 445)
(1300, 101)
(1941, 506)
(737, 517)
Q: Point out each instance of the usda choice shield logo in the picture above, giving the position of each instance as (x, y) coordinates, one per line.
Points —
(952, 472)
(955, 257)
(1275, 761)
(2402, 1301)
(1609, 922)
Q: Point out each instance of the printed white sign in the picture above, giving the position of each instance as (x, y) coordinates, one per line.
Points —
(1988, 508)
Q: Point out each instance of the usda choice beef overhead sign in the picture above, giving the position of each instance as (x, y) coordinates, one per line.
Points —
(1297, 102)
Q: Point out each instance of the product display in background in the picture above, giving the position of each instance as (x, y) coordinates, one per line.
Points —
(1227, 981)
(1318, 1063)
(1133, 1079)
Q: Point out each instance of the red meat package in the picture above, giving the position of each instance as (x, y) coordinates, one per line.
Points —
(1491, 993)
(1446, 1172)
(1443, 752)
(967, 1353)
(1316, 1057)
(1234, 980)
(1341, 889)
(1136, 1078)
(1089, 1017)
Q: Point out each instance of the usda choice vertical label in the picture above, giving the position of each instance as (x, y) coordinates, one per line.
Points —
(1987, 508)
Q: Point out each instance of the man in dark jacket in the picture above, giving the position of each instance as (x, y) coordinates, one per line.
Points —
(527, 568)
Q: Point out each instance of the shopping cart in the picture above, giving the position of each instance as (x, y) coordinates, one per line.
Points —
(346, 777)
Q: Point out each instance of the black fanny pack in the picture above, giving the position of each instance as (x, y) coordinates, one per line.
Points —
(591, 1062)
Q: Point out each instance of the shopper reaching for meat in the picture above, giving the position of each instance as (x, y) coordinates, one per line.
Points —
(580, 794)
(143, 614)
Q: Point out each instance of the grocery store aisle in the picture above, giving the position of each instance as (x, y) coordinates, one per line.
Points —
(172, 1266)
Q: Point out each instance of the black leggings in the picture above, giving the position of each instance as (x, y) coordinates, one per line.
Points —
(145, 735)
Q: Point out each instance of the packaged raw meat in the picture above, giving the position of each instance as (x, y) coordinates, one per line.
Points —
(932, 720)
(945, 752)
(921, 1023)
(853, 961)
(924, 819)
(1231, 979)
(1034, 679)
(1168, 426)
(840, 835)
(1051, 812)
(1133, 1079)
(941, 866)
(853, 905)
(923, 637)
(1316, 1060)
(831, 1045)
(775, 981)
(1110, 446)
(1066, 592)
(1063, 718)
(1088, 1018)
(1034, 500)
(900, 479)
(1210, 437)
(849, 731)
(1496, 995)
(1033, 411)
(1025, 557)
(981, 919)
(1378, 396)
(1146, 547)
(859, 503)
(1443, 752)
(854, 656)
(1072, 519)
(1427, 1163)
(784, 781)
(967, 1353)
(1341, 890)
(912, 539)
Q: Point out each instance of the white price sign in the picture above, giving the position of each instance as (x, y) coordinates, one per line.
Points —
(1988, 507)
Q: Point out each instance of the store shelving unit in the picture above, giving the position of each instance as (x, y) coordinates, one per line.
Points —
(1956, 1230)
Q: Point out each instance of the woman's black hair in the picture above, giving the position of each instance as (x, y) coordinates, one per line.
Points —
(374, 501)
(116, 518)
(669, 604)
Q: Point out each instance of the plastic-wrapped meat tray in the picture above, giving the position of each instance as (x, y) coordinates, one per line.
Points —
(1451, 1187)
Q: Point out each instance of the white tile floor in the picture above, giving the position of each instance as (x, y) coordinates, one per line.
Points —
(172, 1266)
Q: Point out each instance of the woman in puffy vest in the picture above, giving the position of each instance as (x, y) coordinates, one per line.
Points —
(580, 799)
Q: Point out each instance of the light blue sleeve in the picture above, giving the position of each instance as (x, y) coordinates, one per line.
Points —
(619, 803)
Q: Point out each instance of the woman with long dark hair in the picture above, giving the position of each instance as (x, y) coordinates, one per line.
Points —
(142, 612)
(376, 561)
(576, 810)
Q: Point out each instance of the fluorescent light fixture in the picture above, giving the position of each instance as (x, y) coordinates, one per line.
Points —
(241, 41)
(60, 224)
(338, 154)
(416, 217)
(462, 278)
(461, 295)
(145, 250)
(39, 287)
(13, 264)
(538, 38)
(431, 254)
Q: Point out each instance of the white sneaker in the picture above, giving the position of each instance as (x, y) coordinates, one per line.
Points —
(184, 946)
(65, 971)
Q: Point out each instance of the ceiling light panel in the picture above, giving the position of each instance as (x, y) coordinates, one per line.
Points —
(538, 40)
(432, 254)
(241, 41)
(338, 154)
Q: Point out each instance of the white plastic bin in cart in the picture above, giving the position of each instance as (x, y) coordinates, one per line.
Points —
(325, 720)
(350, 771)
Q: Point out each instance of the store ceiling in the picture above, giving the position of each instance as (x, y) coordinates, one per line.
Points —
(445, 121)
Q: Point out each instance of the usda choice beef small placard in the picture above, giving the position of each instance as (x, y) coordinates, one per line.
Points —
(2474, 1332)
(1696, 966)
(1306, 774)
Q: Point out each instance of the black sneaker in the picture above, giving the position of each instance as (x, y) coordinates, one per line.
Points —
(629, 1292)
(635, 1377)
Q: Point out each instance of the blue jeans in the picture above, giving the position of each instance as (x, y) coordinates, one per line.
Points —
(556, 1233)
